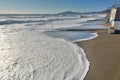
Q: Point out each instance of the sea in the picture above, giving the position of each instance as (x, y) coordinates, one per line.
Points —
(42, 46)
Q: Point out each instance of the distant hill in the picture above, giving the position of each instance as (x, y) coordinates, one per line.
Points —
(105, 11)
(68, 12)
(77, 13)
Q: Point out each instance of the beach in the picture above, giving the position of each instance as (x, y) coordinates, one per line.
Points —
(103, 54)
(40, 47)
(27, 52)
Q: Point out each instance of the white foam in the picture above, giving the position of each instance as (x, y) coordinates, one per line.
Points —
(92, 37)
(28, 54)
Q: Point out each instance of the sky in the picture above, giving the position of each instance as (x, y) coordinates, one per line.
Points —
(52, 6)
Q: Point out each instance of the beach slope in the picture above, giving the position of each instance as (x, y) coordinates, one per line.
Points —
(103, 53)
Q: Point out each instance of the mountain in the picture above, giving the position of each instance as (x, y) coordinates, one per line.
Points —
(68, 12)
(76, 13)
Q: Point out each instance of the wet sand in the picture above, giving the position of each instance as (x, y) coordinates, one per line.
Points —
(103, 53)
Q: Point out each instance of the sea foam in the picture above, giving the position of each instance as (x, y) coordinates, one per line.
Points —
(27, 53)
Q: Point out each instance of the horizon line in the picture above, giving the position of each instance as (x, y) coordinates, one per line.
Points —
(53, 13)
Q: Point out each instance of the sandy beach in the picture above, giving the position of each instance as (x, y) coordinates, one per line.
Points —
(103, 53)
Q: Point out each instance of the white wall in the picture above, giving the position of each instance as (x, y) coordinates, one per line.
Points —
(117, 25)
(112, 23)
(113, 14)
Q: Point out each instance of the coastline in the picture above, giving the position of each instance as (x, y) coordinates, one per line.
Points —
(103, 55)
(95, 35)
(41, 55)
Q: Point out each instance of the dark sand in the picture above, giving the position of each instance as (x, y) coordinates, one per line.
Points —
(103, 53)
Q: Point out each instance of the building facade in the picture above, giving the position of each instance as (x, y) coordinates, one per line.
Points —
(115, 18)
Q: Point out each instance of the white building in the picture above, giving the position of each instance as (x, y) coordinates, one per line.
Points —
(115, 19)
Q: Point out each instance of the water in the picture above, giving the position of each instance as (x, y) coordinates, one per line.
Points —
(30, 50)
(72, 35)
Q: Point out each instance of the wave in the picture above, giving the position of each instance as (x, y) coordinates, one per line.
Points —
(33, 55)
(19, 21)
(28, 18)
(38, 57)
(81, 73)
(89, 38)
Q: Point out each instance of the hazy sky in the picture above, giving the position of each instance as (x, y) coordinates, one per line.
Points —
(52, 6)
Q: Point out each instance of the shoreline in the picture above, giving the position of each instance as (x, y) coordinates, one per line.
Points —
(103, 55)
(95, 36)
